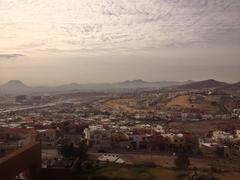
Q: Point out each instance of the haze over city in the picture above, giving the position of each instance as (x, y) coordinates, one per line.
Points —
(120, 89)
(56, 42)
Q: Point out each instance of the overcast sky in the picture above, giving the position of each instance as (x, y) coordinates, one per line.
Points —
(49, 42)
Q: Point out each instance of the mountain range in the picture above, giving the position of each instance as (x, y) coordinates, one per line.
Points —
(233, 89)
(210, 83)
(16, 87)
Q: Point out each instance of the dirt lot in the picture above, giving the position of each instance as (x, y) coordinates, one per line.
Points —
(141, 173)
(122, 105)
(155, 173)
(204, 127)
(167, 161)
(180, 101)
(183, 101)
(164, 167)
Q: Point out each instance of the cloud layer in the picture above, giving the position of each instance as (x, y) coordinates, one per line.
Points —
(113, 40)
(113, 26)
(9, 56)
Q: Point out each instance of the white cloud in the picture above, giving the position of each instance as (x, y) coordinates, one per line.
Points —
(113, 40)
(93, 25)
(10, 56)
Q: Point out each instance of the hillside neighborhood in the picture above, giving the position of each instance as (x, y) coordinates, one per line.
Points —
(161, 122)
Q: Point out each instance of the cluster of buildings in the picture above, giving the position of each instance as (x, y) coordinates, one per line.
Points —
(236, 113)
(32, 100)
(146, 138)
(110, 130)
(136, 138)
(222, 143)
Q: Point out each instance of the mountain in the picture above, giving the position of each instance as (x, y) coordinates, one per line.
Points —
(233, 89)
(14, 83)
(119, 86)
(134, 81)
(16, 87)
(144, 84)
(206, 84)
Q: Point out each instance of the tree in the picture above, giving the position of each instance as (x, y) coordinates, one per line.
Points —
(67, 150)
(82, 150)
(182, 161)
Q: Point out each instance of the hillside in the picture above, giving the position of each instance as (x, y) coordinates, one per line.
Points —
(206, 84)
(14, 87)
(233, 89)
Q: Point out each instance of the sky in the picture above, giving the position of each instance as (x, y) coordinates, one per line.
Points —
(52, 42)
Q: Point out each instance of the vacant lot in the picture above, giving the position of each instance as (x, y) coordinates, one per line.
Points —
(180, 101)
(204, 127)
(183, 101)
(164, 160)
(141, 173)
(123, 105)
(153, 173)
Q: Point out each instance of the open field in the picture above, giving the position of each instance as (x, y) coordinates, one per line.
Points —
(141, 173)
(180, 101)
(183, 101)
(167, 160)
(122, 105)
(203, 127)
(154, 173)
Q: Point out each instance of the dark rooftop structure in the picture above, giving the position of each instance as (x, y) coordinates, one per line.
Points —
(26, 159)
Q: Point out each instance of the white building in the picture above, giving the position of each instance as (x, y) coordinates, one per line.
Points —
(220, 136)
(236, 113)
(113, 158)
(98, 137)
(207, 146)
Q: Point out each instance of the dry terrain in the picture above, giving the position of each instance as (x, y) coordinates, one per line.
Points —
(123, 105)
(154, 173)
(183, 101)
(180, 101)
(204, 127)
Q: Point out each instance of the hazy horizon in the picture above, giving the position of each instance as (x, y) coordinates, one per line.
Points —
(59, 42)
(110, 82)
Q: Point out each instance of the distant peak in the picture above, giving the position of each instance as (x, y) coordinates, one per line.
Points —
(138, 80)
(73, 84)
(210, 83)
(211, 80)
(134, 81)
(15, 82)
